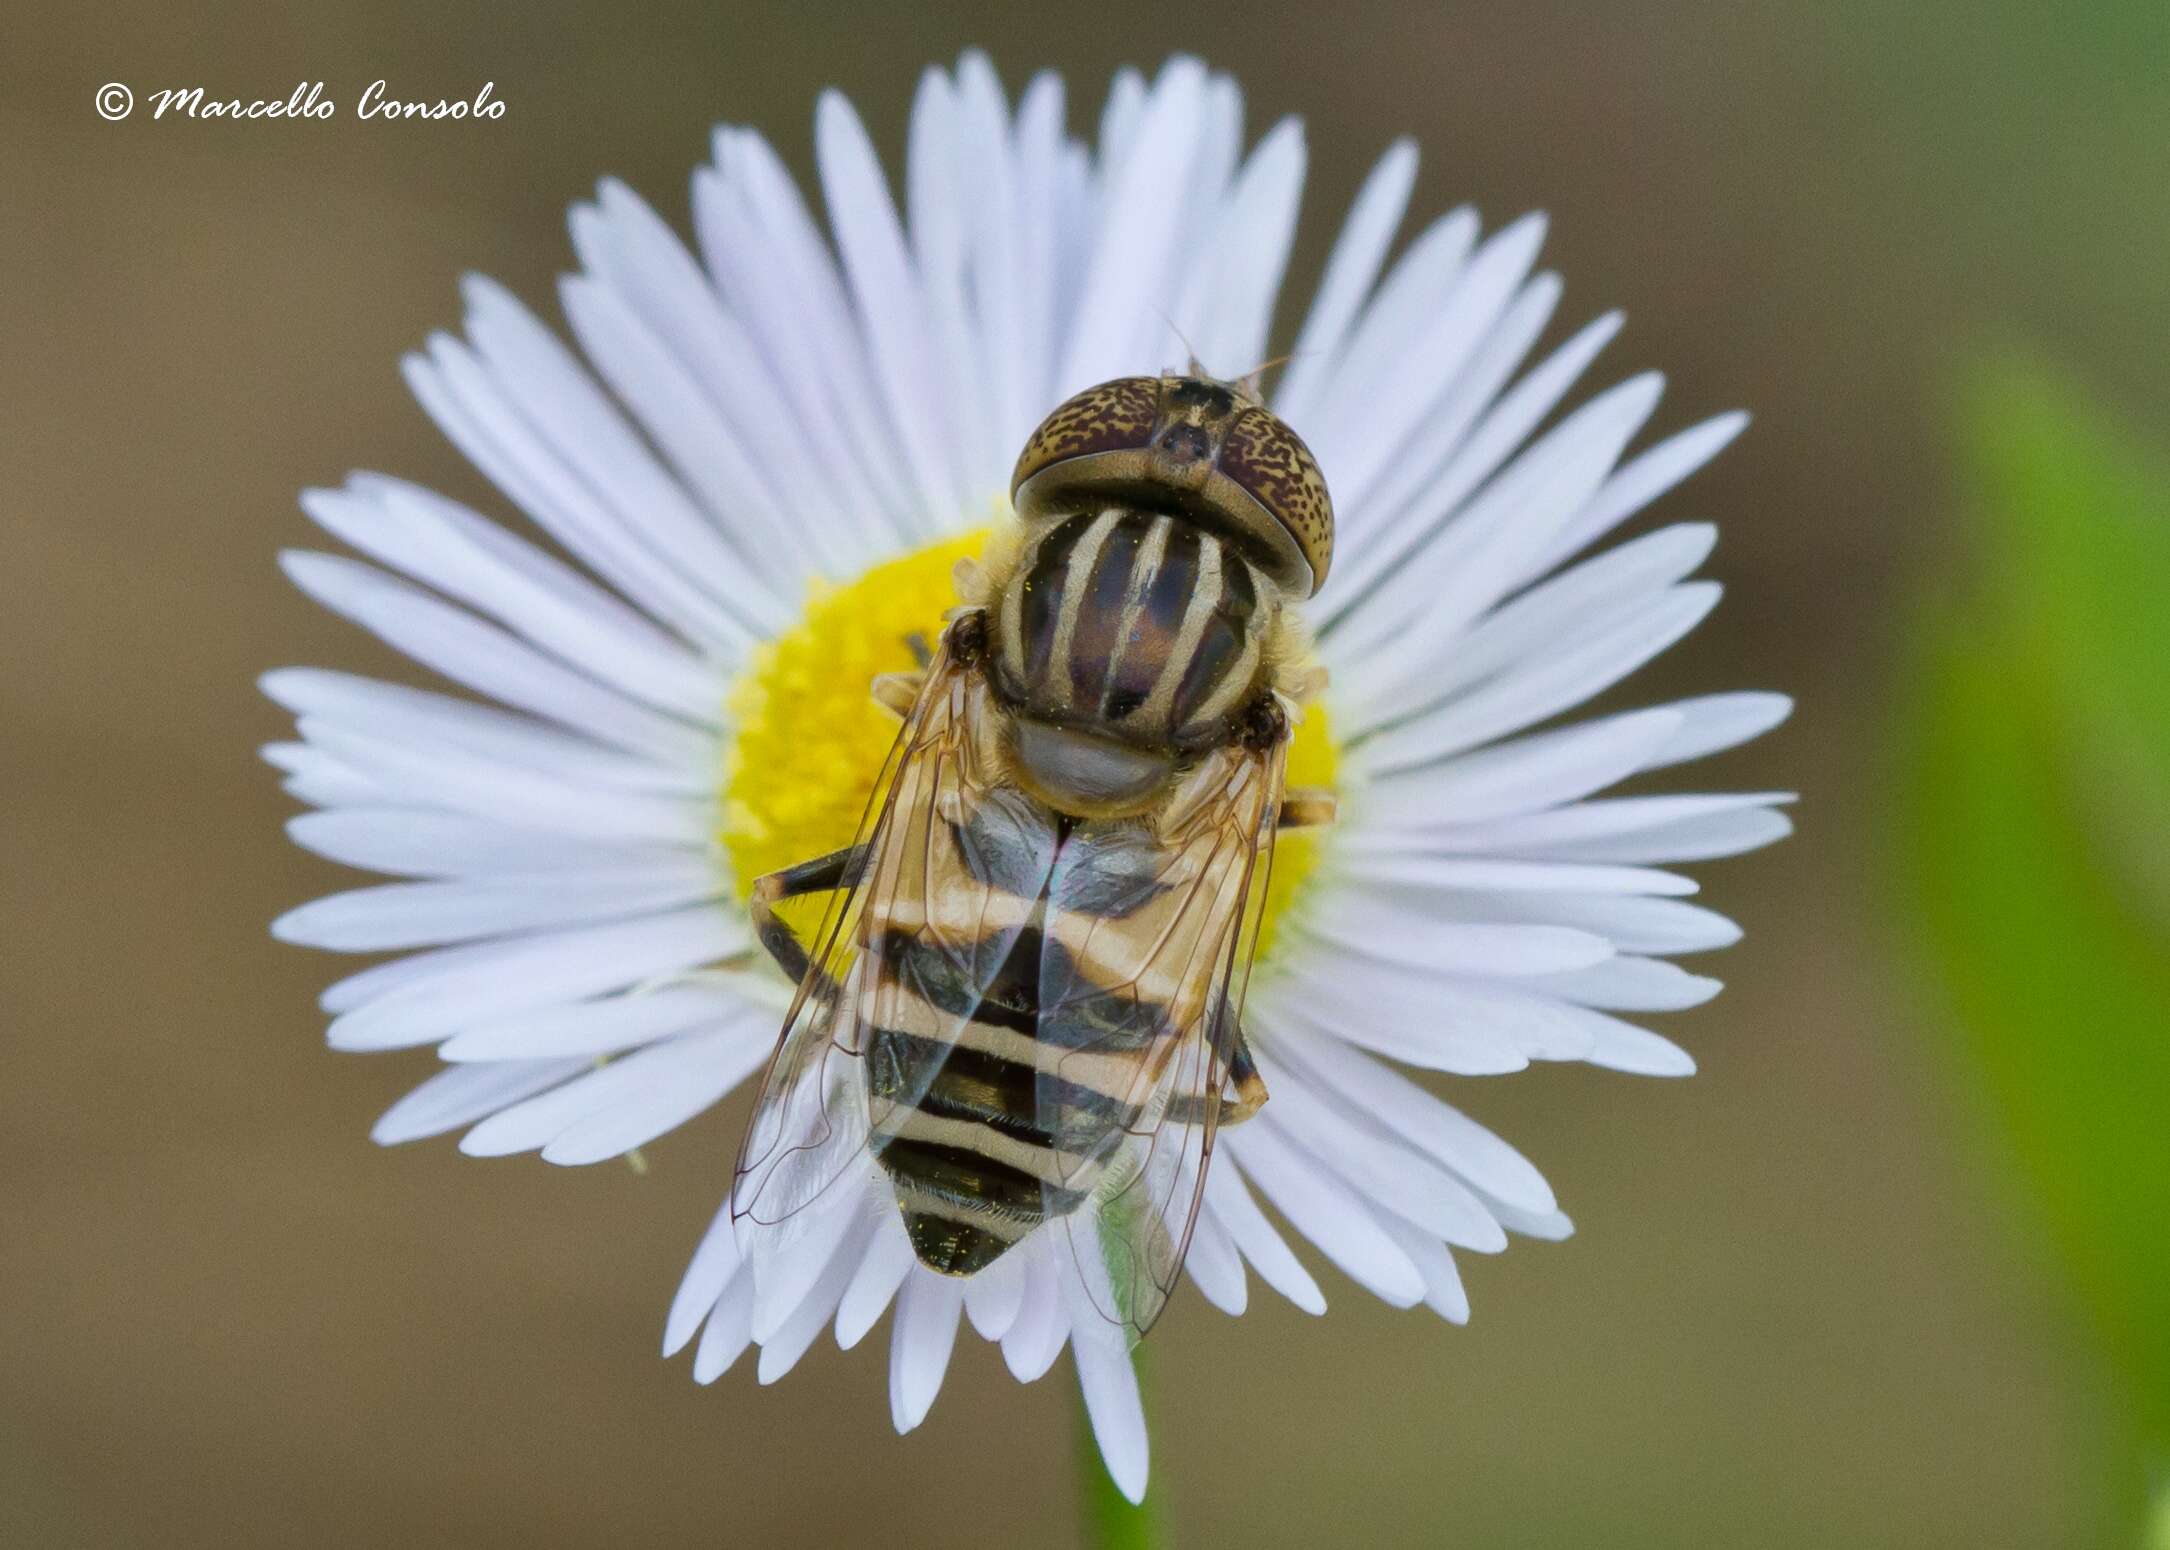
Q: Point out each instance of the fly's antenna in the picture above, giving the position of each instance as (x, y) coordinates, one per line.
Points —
(1196, 367)
(1252, 383)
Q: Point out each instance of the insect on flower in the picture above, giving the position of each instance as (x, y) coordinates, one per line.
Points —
(1017, 1019)
(1026, 1003)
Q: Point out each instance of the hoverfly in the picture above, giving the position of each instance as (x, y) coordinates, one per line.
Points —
(1023, 1001)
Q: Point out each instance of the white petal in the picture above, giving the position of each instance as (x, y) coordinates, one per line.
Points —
(1040, 152)
(628, 247)
(651, 1076)
(1238, 276)
(1551, 1226)
(1630, 984)
(1042, 1327)
(444, 991)
(1715, 722)
(1009, 260)
(1262, 1245)
(1326, 1212)
(602, 1027)
(1409, 498)
(886, 292)
(727, 1333)
(943, 156)
(993, 1297)
(1624, 1047)
(400, 915)
(1414, 293)
(1138, 244)
(1472, 430)
(681, 1088)
(760, 243)
(1545, 687)
(919, 1345)
(548, 388)
(782, 1350)
(715, 1262)
(1369, 858)
(888, 1259)
(1388, 655)
(1395, 1011)
(488, 787)
(453, 642)
(1468, 794)
(1644, 479)
(1214, 1266)
(416, 842)
(784, 1276)
(1634, 923)
(318, 777)
(1350, 921)
(1577, 601)
(463, 1094)
(1702, 837)
(395, 712)
(457, 391)
(734, 490)
(1443, 1292)
(1439, 1023)
(1358, 251)
(1628, 830)
(1418, 378)
(1110, 1386)
(1413, 1115)
(1375, 1165)
(473, 561)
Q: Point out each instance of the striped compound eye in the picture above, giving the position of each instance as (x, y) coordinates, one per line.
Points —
(1194, 447)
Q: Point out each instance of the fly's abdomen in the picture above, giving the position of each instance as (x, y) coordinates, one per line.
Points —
(990, 1114)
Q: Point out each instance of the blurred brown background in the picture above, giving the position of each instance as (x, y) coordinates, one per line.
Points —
(1797, 1313)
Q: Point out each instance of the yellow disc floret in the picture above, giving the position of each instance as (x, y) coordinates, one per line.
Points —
(1296, 853)
(809, 740)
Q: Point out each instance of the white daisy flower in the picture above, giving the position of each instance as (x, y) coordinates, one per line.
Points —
(776, 445)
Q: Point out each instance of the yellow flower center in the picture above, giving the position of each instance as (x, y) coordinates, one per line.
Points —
(810, 740)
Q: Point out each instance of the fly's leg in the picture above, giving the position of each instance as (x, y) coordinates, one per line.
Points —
(821, 875)
(1307, 807)
(1250, 1089)
(1250, 1086)
(897, 693)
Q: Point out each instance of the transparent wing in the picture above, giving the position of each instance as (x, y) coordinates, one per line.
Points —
(1151, 932)
(906, 950)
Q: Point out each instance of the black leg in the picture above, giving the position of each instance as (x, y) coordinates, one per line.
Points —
(820, 875)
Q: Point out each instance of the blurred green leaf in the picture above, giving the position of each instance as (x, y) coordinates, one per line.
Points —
(2035, 821)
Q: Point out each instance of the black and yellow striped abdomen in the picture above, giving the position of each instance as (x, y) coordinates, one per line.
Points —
(1001, 1078)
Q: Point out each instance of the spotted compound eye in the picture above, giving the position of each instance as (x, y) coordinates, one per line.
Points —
(1202, 448)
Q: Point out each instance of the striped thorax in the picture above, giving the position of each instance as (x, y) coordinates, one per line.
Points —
(1125, 640)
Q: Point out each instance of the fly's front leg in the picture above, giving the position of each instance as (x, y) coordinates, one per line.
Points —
(1307, 807)
(821, 875)
(897, 693)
